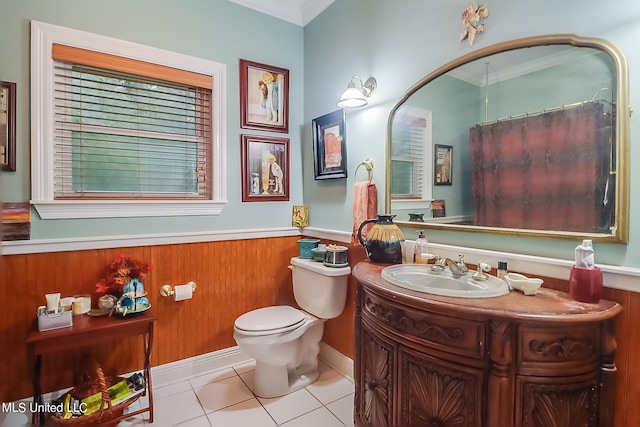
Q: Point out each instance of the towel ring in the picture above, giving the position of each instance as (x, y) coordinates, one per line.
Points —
(368, 165)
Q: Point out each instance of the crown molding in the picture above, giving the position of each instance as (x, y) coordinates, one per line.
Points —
(299, 12)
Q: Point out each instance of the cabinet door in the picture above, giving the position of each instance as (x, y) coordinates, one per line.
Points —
(433, 392)
(375, 379)
(558, 402)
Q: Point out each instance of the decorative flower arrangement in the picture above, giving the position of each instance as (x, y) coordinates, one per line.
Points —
(120, 272)
(470, 17)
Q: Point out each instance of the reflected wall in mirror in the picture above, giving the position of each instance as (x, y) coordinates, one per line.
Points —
(539, 134)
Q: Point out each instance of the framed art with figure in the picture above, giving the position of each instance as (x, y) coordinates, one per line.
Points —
(330, 146)
(264, 97)
(265, 168)
(443, 160)
(8, 126)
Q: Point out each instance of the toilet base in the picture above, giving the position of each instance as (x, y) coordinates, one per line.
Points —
(275, 381)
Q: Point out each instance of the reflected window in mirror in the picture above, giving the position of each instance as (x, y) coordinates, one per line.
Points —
(411, 156)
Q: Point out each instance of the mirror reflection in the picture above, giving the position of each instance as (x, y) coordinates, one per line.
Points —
(524, 138)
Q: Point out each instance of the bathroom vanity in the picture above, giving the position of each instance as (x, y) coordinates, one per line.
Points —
(511, 360)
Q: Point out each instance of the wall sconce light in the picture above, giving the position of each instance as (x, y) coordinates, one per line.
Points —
(357, 92)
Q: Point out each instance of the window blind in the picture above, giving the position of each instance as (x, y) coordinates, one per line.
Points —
(129, 135)
(408, 155)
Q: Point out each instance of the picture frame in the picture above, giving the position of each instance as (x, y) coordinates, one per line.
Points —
(442, 164)
(264, 97)
(265, 168)
(330, 146)
(8, 126)
(438, 209)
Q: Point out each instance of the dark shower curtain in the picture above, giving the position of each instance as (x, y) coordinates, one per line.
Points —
(543, 172)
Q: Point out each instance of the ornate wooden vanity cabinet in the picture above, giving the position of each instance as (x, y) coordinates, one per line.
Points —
(515, 360)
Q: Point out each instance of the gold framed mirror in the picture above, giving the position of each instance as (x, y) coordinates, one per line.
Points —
(536, 132)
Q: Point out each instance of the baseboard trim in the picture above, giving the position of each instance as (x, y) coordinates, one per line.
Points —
(336, 360)
(183, 369)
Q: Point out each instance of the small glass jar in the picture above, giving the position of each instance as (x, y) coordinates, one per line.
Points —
(81, 304)
(502, 270)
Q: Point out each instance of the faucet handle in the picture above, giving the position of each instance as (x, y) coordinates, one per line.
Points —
(480, 273)
(438, 265)
(461, 264)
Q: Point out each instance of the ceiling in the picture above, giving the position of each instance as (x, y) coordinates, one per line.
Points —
(299, 12)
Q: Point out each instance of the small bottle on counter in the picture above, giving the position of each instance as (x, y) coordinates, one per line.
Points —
(502, 269)
(421, 247)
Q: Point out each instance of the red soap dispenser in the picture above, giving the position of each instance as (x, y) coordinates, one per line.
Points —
(585, 280)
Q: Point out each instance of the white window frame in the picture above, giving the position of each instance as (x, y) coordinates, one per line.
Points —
(43, 36)
(427, 190)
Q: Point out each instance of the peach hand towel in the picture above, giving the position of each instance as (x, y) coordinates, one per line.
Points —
(365, 206)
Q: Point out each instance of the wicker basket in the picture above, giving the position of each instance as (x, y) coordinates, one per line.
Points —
(89, 381)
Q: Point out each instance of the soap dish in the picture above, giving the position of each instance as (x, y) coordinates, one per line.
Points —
(528, 286)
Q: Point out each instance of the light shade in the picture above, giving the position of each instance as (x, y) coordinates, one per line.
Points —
(356, 95)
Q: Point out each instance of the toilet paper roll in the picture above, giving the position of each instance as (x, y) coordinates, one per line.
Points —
(183, 292)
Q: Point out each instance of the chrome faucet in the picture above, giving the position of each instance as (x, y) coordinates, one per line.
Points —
(457, 268)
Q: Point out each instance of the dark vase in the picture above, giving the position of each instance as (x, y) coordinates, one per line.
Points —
(383, 240)
(416, 217)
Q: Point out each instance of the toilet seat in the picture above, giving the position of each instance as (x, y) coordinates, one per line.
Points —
(270, 320)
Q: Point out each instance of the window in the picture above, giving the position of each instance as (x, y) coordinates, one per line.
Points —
(411, 158)
(122, 129)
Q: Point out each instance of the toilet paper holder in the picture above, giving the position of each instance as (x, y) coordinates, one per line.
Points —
(167, 290)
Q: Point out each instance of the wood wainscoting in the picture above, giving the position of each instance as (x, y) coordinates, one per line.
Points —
(233, 276)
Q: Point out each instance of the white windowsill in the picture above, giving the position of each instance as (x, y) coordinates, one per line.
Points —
(125, 208)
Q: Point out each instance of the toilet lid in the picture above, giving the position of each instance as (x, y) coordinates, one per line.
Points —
(275, 319)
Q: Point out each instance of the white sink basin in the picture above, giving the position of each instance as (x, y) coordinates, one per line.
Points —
(419, 277)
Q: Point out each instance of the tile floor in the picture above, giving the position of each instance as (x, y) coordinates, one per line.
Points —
(223, 398)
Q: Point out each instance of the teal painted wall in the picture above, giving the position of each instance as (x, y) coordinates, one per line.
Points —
(398, 42)
(402, 41)
(216, 30)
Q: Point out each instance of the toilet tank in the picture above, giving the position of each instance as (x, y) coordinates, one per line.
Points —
(318, 289)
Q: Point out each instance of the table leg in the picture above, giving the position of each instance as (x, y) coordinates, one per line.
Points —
(147, 369)
(36, 363)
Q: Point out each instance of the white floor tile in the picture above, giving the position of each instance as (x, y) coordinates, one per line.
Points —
(170, 390)
(137, 420)
(292, 405)
(196, 422)
(319, 418)
(212, 377)
(223, 398)
(248, 378)
(331, 386)
(245, 367)
(17, 418)
(223, 393)
(175, 409)
(247, 413)
(343, 409)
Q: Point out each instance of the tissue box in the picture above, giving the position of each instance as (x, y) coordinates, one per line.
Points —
(48, 321)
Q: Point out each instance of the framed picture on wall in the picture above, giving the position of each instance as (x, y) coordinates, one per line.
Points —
(330, 146)
(443, 161)
(264, 97)
(265, 168)
(8, 126)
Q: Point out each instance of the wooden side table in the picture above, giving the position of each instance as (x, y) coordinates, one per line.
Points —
(87, 330)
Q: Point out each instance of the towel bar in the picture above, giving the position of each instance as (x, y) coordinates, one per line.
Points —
(368, 165)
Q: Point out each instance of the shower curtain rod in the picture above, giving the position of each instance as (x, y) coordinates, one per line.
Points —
(546, 110)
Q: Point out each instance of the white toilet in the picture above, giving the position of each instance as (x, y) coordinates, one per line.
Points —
(285, 341)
